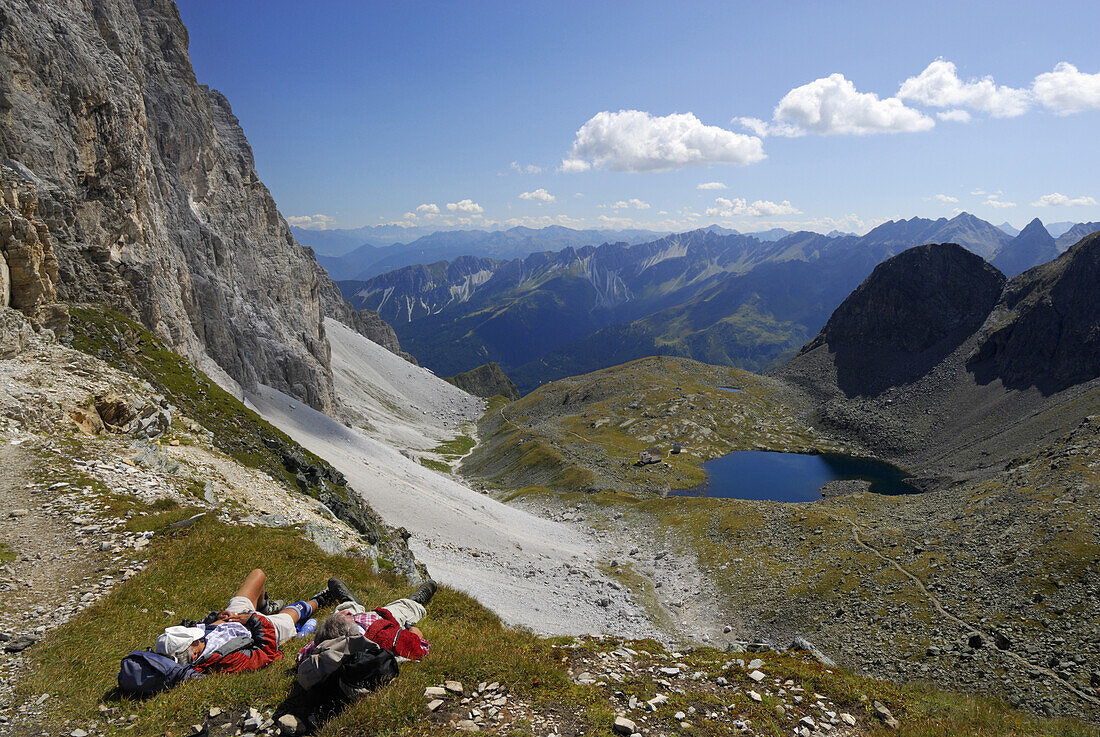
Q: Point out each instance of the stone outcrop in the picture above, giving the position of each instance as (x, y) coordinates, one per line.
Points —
(145, 185)
(28, 265)
(487, 380)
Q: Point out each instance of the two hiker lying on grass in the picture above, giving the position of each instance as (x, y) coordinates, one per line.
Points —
(247, 635)
(352, 646)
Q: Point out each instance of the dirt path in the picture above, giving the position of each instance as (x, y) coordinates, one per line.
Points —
(53, 564)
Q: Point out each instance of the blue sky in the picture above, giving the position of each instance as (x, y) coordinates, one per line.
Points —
(359, 113)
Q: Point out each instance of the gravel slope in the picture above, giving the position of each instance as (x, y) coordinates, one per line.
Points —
(532, 571)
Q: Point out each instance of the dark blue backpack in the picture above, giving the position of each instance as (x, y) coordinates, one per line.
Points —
(145, 673)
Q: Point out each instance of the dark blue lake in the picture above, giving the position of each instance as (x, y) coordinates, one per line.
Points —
(792, 477)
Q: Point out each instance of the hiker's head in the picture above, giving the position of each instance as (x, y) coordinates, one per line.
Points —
(180, 643)
(337, 624)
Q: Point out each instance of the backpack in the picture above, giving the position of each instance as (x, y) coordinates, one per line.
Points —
(144, 673)
(366, 670)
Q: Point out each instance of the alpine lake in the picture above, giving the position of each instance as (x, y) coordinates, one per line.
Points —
(792, 477)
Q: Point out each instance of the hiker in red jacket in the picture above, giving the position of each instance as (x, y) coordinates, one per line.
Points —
(241, 638)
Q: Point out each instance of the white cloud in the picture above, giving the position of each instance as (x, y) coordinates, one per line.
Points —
(311, 222)
(763, 128)
(428, 209)
(525, 169)
(939, 86)
(946, 199)
(1066, 90)
(467, 206)
(977, 191)
(994, 200)
(832, 105)
(727, 208)
(954, 116)
(539, 195)
(1056, 199)
(632, 202)
(632, 140)
(710, 185)
(572, 166)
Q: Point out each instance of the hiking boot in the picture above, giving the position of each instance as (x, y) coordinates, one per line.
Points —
(337, 592)
(269, 606)
(425, 593)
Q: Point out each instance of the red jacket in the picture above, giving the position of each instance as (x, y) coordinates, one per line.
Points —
(233, 658)
(388, 634)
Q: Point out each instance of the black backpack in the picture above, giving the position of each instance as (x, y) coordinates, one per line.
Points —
(144, 673)
(367, 670)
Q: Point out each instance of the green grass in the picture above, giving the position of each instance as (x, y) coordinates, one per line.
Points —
(197, 569)
(435, 465)
(458, 446)
(7, 555)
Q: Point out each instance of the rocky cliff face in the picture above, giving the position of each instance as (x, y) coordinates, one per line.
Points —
(1045, 332)
(145, 185)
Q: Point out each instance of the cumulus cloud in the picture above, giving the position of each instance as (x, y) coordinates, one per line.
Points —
(832, 105)
(311, 222)
(727, 208)
(632, 202)
(539, 195)
(994, 200)
(711, 185)
(946, 199)
(526, 168)
(428, 209)
(1057, 199)
(466, 206)
(1067, 90)
(939, 86)
(635, 141)
(954, 116)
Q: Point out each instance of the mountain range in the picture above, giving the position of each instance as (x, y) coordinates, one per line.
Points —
(712, 294)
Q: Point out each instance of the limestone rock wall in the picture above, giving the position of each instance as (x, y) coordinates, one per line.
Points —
(146, 187)
(28, 265)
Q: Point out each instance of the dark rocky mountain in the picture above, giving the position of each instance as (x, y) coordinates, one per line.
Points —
(893, 328)
(1033, 246)
(1046, 330)
(487, 381)
(959, 378)
(1074, 234)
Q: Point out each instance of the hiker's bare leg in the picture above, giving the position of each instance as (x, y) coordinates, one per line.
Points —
(253, 587)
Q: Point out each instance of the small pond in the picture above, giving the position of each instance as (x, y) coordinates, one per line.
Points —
(730, 389)
(792, 477)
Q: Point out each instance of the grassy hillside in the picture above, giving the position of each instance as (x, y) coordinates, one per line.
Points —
(585, 433)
